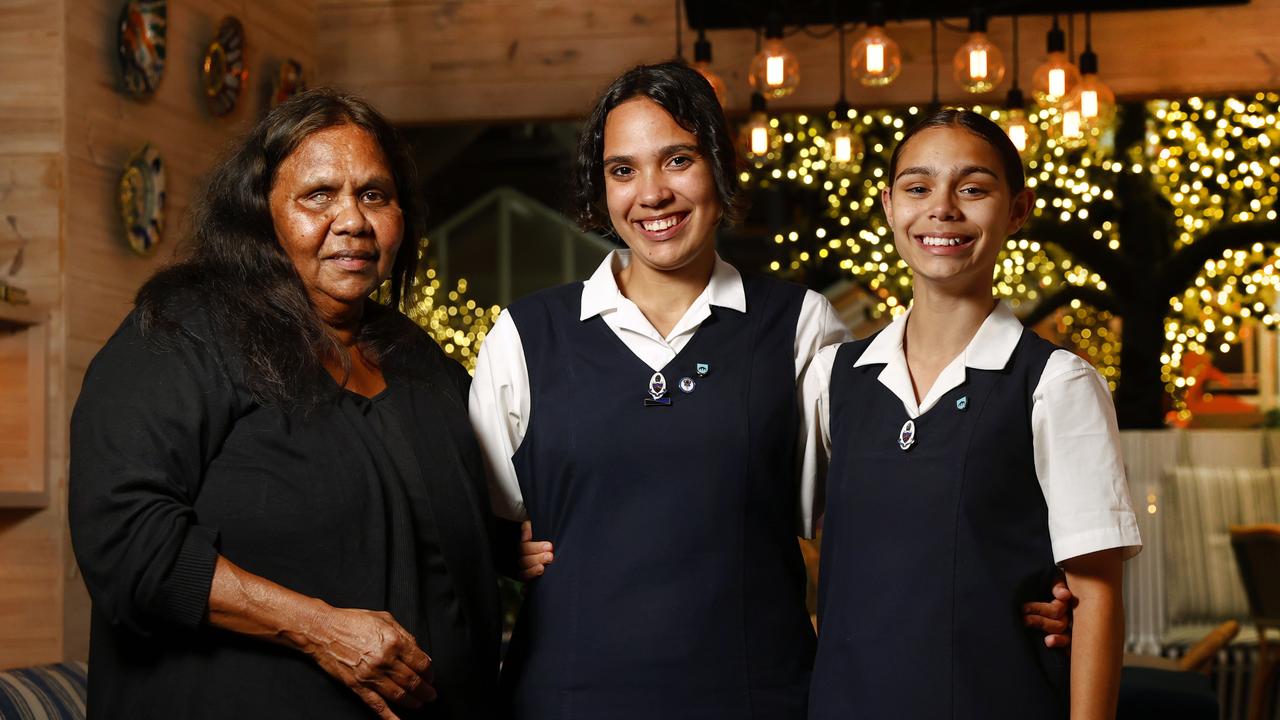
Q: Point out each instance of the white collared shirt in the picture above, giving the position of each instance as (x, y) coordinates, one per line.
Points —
(1073, 423)
(500, 395)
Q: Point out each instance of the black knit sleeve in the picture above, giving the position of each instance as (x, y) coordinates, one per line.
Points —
(146, 424)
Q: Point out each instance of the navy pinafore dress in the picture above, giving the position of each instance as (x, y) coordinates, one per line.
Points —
(678, 587)
(928, 554)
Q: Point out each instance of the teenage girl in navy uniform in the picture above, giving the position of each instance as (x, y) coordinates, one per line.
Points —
(647, 422)
(969, 459)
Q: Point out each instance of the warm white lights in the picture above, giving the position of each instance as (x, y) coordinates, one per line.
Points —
(774, 72)
(1024, 133)
(844, 146)
(978, 65)
(1057, 76)
(1092, 99)
(755, 133)
(875, 59)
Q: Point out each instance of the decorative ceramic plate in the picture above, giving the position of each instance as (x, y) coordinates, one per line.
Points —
(142, 199)
(289, 82)
(224, 73)
(141, 45)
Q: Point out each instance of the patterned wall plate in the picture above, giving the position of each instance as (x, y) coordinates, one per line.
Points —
(224, 73)
(141, 199)
(140, 44)
(289, 82)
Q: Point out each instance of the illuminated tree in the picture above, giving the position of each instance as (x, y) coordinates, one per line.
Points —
(1164, 227)
(455, 322)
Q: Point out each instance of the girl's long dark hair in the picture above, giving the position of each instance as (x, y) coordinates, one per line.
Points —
(234, 268)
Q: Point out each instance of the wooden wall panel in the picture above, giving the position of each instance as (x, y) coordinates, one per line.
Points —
(65, 132)
(104, 127)
(31, 187)
(425, 61)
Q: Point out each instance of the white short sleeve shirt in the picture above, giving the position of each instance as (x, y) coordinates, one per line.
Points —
(1073, 422)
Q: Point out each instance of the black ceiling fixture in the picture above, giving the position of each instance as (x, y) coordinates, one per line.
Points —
(737, 14)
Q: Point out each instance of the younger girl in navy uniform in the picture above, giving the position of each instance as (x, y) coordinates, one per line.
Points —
(969, 458)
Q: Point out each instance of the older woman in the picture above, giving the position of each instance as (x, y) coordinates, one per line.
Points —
(275, 495)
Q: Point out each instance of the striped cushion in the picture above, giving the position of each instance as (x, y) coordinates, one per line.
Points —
(1201, 503)
(54, 692)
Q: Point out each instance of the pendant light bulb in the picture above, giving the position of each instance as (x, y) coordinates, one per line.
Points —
(1024, 134)
(844, 146)
(1092, 100)
(774, 72)
(1057, 76)
(875, 57)
(756, 134)
(978, 65)
(1066, 128)
(702, 63)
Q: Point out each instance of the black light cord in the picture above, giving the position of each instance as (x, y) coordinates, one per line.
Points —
(1015, 52)
(933, 48)
(679, 34)
(842, 81)
(1071, 37)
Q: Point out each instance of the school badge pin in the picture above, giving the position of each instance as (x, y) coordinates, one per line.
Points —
(657, 389)
(962, 403)
(907, 435)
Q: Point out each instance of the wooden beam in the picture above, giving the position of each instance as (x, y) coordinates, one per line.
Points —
(431, 61)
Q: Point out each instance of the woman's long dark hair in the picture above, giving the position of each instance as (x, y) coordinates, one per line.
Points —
(235, 268)
(690, 99)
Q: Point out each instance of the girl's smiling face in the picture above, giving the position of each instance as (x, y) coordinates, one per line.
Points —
(659, 187)
(951, 208)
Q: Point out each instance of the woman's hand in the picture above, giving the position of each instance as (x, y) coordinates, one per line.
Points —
(366, 650)
(370, 653)
(534, 556)
(1053, 617)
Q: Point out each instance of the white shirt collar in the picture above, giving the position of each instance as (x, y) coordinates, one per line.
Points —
(600, 293)
(989, 349)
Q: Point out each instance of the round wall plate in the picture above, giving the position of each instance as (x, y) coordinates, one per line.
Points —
(141, 198)
(140, 44)
(289, 81)
(223, 72)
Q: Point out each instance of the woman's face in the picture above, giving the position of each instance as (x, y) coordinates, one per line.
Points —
(337, 216)
(951, 209)
(659, 187)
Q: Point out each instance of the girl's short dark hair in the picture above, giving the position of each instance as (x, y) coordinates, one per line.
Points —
(691, 101)
(977, 124)
(235, 269)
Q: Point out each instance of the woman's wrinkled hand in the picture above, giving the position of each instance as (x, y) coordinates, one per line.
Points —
(369, 652)
(534, 556)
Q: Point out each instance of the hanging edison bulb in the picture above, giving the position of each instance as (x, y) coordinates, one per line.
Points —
(1021, 131)
(978, 65)
(775, 72)
(1092, 100)
(844, 146)
(756, 132)
(875, 59)
(1057, 76)
(1066, 129)
(702, 63)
